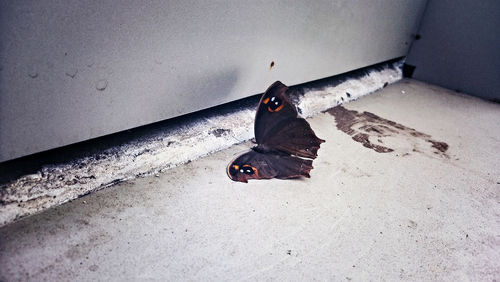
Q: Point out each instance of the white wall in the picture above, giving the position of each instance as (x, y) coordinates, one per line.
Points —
(74, 70)
(460, 46)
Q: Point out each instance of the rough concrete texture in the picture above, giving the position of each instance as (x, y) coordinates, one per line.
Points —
(406, 214)
(170, 146)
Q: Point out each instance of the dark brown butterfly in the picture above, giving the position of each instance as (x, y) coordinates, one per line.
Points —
(286, 144)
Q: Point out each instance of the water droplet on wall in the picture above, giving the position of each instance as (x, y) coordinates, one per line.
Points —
(72, 72)
(33, 74)
(101, 84)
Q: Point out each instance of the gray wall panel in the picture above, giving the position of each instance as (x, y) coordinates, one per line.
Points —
(460, 46)
(161, 59)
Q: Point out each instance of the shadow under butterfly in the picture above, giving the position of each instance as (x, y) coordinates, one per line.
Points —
(286, 144)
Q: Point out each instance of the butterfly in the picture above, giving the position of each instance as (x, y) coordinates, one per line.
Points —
(286, 144)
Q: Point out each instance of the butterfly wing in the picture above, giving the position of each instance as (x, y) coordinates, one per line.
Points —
(278, 127)
(295, 137)
(274, 108)
(256, 165)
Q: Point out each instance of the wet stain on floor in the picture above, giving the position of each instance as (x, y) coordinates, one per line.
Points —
(383, 135)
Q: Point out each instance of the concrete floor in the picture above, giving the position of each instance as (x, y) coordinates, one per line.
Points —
(420, 212)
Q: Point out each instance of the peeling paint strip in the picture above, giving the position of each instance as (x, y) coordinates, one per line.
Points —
(56, 184)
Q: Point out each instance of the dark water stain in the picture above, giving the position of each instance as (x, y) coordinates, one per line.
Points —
(441, 146)
(363, 139)
(362, 126)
